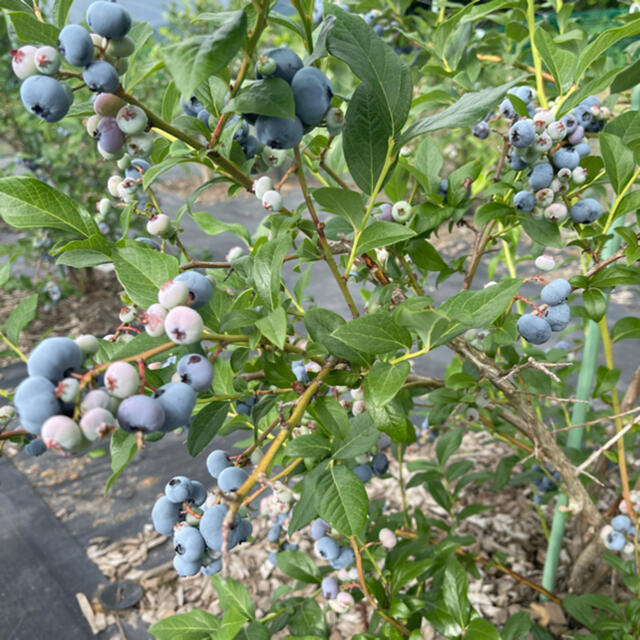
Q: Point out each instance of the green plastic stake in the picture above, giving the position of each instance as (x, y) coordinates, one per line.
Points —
(578, 416)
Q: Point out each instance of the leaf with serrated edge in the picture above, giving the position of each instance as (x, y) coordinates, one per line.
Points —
(344, 502)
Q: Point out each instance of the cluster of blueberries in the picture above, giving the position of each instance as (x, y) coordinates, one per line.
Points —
(102, 55)
(550, 150)
(619, 533)
(543, 483)
(196, 522)
(51, 403)
(536, 328)
(175, 314)
(365, 469)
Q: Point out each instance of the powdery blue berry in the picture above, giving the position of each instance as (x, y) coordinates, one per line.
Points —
(312, 93)
(140, 413)
(345, 559)
(287, 63)
(558, 316)
(108, 19)
(200, 288)
(165, 515)
(45, 97)
(178, 400)
(217, 462)
(215, 566)
(615, 541)
(327, 548)
(524, 201)
(101, 76)
(556, 292)
(185, 568)
(586, 211)
(621, 523)
(566, 158)
(189, 544)
(196, 371)
(274, 533)
(232, 478)
(279, 133)
(178, 489)
(380, 464)
(329, 587)
(76, 45)
(534, 329)
(363, 471)
(522, 133)
(319, 528)
(541, 176)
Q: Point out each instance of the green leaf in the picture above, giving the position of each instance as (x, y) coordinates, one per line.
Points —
(5, 271)
(269, 97)
(480, 629)
(448, 444)
(595, 304)
(627, 78)
(454, 592)
(383, 234)
(542, 231)
(311, 445)
(195, 625)
(267, 263)
(372, 60)
(308, 621)
(60, 11)
(154, 172)
(16, 5)
(122, 447)
(618, 160)
(233, 595)
(212, 226)
(20, 317)
(84, 253)
(605, 40)
(299, 565)
(560, 62)
(191, 61)
(321, 322)
(362, 436)
(274, 326)
(28, 203)
(384, 382)
(232, 622)
(30, 29)
(375, 333)
(365, 137)
(392, 420)
(343, 202)
(626, 328)
(343, 500)
(330, 416)
(468, 110)
(206, 423)
(517, 626)
(255, 630)
(141, 272)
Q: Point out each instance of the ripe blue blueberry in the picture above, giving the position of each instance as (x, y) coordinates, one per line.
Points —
(524, 201)
(45, 97)
(329, 587)
(481, 130)
(101, 77)
(178, 400)
(345, 559)
(110, 138)
(244, 407)
(556, 292)
(621, 522)
(55, 359)
(312, 93)
(191, 107)
(585, 211)
(196, 371)
(380, 464)
(583, 149)
(185, 568)
(566, 158)
(217, 462)
(198, 493)
(279, 133)
(615, 541)
(541, 176)
(232, 478)
(165, 515)
(215, 566)
(583, 114)
(534, 329)
(178, 489)
(522, 133)
(108, 19)
(76, 45)
(203, 116)
(140, 413)
(558, 316)
(319, 528)
(136, 170)
(517, 163)
(35, 448)
(506, 109)
(287, 63)
(274, 533)
(327, 548)
(189, 544)
(363, 471)
(211, 528)
(200, 288)
(570, 122)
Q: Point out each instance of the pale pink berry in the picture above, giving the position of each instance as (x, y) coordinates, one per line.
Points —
(132, 120)
(95, 398)
(97, 423)
(261, 186)
(577, 135)
(543, 142)
(234, 253)
(545, 262)
(153, 320)
(127, 314)
(23, 61)
(159, 224)
(107, 104)
(47, 60)
(342, 603)
(68, 389)
(358, 407)
(387, 538)
(88, 344)
(184, 325)
(556, 130)
(272, 201)
(556, 212)
(579, 175)
(112, 185)
(173, 293)
(544, 197)
(122, 379)
(62, 433)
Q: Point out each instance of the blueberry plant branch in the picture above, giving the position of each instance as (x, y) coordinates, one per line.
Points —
(322, 239)
(363, 585)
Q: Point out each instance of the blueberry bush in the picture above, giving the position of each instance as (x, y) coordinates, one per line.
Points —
(389, 128)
